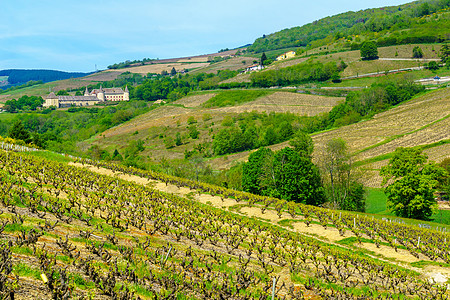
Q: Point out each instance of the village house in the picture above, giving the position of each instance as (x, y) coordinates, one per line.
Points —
(256, 67)
(289, 54)
(89, 98)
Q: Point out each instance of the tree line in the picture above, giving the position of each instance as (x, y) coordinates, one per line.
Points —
(309, 71)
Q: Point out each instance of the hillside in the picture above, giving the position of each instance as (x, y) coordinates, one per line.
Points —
(391, 25)
(80, 231)
(422, 121)
(171, 119)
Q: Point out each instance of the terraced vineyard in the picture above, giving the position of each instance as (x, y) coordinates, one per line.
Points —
(423, 121)
(69, 232)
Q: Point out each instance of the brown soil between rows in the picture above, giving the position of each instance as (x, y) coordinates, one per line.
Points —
(330, 233)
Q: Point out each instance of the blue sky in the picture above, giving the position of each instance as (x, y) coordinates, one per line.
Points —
(77, 35)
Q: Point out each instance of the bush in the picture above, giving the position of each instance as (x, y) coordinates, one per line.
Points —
(433, 66)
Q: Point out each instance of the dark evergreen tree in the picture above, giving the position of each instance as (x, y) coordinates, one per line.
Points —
(263, 59)
(19, 132)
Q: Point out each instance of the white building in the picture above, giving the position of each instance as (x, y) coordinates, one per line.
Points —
(89, 98)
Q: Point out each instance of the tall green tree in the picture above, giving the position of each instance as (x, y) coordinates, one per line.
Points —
(369, 50)
(263, 59)
(445, 184)
(284, 174)
(257, 173)
(297, 178)
(342, 189)
(412, 182)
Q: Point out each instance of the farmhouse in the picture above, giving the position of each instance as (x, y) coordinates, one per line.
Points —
(89, 98)
(254, 68)
(286, 55)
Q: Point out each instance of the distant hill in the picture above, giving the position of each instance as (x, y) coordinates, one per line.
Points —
(388, 25)
(17, 77)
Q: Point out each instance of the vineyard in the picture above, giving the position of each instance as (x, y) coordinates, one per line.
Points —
(67, 232)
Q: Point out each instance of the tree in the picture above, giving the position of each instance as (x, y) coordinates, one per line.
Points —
(433, 66)
(369, 50)
(254, 170)
(303, 144)
(284, 174)
(417, 52)
(193, 132)
(263, 59)
(178, 140)
(297, 178)
(445, 184)
(444, 53)
(342, 189)
(18, 132)
(173, 72)
(116, 155)
(412, 183)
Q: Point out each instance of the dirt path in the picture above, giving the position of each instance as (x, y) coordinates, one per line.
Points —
(330, 235)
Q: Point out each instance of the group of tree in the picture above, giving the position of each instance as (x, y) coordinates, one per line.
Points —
(12, 87)
(301, 73)
(25, 103)
(253, 130)
(129, 63)
(285, 174)
(291, 175)
(366, 102)
(173, 88)
(61, 130)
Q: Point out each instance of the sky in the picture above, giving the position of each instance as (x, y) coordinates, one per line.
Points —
(85, 35)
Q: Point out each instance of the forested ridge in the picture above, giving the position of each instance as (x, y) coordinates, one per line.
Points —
(16, 76)
(393, 22)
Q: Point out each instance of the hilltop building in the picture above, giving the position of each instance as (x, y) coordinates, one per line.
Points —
(286, 55)
(89, 98)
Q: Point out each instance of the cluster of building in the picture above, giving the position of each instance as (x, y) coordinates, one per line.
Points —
(259, 67)
(89, 98)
